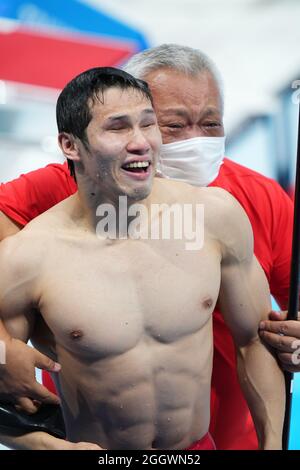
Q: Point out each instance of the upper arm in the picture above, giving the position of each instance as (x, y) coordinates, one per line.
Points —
(244, 293)
(244, 298)
(17, 292)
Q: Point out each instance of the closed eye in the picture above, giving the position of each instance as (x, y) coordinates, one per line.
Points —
(212, 124)
(148, 124)
(175, 126)
(118, 127)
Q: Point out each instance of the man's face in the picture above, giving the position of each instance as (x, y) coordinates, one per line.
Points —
(186, 106)
(123, 143)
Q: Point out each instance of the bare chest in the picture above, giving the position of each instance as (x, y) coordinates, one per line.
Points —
(102, 302)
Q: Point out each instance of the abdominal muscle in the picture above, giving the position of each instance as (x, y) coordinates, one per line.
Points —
(154, 396)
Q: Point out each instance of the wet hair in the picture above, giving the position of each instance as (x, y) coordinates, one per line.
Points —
(74, 104)
(173, 56)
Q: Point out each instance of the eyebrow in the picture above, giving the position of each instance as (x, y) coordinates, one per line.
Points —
(210, 112)
(183, 112)
(120, 117)
(178, 111)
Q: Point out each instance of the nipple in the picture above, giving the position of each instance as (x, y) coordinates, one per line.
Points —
(207, 302)
(76, 334)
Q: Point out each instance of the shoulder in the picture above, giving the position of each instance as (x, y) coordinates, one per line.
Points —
(220, 201)
(217, 201)
(223, 207)
(56, 172)
(224, 218)
(228, 222)
(23, 255)
(20, 252)
(20, 261)
(26, 249)
(232, 168)
(168, 189)
(50, 176)
(61, 172)
(32, 193)
(173, 191)
(53, 221)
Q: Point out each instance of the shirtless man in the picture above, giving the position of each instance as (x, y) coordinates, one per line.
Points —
(130, 321)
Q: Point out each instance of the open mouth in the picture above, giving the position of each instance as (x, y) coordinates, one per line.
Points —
(137, 167)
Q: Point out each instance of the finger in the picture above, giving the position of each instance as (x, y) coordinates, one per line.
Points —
(87, 446)
(280, 343)
(289, 362)
(43, 395)
(44, 362)
(90, 447)
(26, 404)
(274, 315)
(55, 443)
(37, 403)
(287, 328)
(292, 369)
(277, 316)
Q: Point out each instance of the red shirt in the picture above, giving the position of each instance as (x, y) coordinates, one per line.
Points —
(26, 197)
(270, 211)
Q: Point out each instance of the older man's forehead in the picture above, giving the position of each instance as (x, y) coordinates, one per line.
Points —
(166, 79)
(173, 92)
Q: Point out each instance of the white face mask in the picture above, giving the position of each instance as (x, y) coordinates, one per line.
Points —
(195, 161)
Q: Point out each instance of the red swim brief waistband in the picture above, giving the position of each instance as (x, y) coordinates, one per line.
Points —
(206, 443)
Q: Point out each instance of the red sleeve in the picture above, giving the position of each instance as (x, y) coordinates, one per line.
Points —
(282, 246)
(26, 197)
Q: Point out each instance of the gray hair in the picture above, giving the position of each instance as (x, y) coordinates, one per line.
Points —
(182, 58)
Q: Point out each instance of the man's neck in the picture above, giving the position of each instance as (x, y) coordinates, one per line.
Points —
(97, 203)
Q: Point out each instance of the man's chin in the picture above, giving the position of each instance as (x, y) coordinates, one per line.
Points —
(138, 194)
